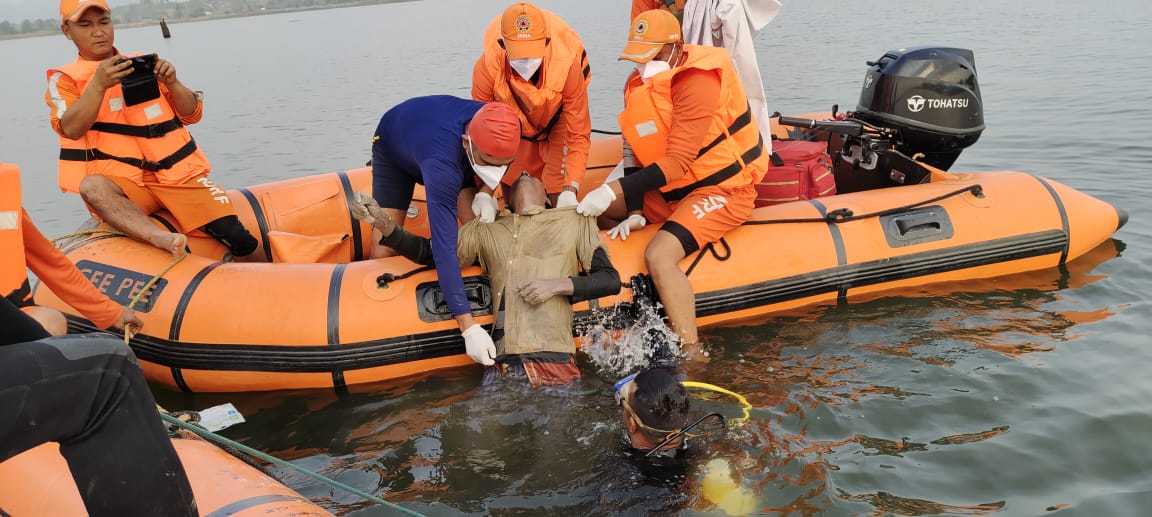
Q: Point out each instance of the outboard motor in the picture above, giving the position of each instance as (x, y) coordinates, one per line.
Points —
(930, 99)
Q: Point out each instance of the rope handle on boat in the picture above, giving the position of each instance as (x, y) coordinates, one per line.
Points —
(210, 436)
(382, 281)
(844, 215)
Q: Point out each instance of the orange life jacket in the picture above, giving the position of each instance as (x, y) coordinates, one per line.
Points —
(734, 154)
(127, 141)
(13, 268)
(539, 107)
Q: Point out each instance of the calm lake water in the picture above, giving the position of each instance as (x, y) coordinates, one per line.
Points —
(1022, 396)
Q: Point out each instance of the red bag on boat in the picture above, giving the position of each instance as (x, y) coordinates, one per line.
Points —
(806, 173)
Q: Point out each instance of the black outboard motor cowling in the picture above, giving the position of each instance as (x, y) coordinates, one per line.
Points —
(929, 95)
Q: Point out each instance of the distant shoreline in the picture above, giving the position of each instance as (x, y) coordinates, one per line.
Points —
(175, 21)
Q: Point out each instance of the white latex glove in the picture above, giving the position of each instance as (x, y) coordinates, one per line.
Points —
(597, 201)
(484, 207)
(622, 230)
(567, 198)
(364, 208)
(479, 345)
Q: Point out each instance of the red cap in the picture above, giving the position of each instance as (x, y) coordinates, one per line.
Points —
(495, 129)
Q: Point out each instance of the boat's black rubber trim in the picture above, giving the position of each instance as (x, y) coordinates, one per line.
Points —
(186, 298)
(1063, 215)
(880, 271)
(357, 238)
(334, 303)
(261, 220)
(443, 343)
(837, 244)
(178, 378)
(236, 507)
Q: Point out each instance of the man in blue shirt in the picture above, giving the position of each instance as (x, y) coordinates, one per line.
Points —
(445, 143)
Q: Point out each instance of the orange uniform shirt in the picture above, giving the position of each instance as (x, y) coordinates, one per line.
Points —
(54, 269)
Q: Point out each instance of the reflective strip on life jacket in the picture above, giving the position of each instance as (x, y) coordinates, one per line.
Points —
(124, 143)
(13, 267)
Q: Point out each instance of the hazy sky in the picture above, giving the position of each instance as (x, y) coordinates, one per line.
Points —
(18, 10)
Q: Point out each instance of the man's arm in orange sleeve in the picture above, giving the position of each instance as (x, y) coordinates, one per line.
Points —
(482, 80)
(54, 269)
(188, 119)
(59, 96)
(695, 98)
(577, 126)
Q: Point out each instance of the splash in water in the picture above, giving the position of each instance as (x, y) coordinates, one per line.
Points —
(647, 342)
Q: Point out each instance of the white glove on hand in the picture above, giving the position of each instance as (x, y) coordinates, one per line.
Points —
(597, 201)
(479, 345)
(364, 208)
(622, 230)
(567, 198)
(484, 208)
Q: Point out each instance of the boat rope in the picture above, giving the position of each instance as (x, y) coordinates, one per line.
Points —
(603, 132)
(844, 215)
(711, 248)
(382, 281)
(209, 435)
(148, 286)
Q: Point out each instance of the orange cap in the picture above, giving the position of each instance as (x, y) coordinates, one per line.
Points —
(651, 30)
(70, 10)
(495, 129)
(524, 30)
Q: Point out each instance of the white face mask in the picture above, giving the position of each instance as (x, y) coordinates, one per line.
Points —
(526, 67)
(651, 68)
(489, 174)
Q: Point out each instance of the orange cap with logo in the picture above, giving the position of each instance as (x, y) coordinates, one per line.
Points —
(70, 10)
(651, 30)
(525, 31)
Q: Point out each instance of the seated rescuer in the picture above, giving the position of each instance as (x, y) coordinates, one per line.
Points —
(24, 247)
(85, 392)
(128, 159)
(687, 122)
(534, 258)
(535, 63)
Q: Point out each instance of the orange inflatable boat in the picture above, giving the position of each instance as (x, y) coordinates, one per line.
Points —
(322, 316)
(37, 483)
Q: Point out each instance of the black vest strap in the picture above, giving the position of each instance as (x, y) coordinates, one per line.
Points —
(740, 123)
(87, 155)
(721, 175)
(542, 135)
(150, 131)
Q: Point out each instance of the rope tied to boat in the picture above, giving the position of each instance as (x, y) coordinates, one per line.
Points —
(843, 215)
(227, 443)
(128, 333)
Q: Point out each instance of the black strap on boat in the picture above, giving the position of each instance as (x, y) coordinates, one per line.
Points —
(711, 248)
(149, 131)
(87, 155)
(844, 215)
(382, 281)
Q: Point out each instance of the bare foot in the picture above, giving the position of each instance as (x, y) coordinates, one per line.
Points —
(174, 243)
